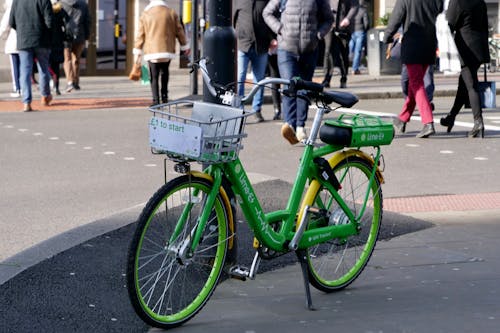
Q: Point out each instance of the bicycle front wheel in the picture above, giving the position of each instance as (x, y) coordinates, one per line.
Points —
(337, 263)
(168, 284)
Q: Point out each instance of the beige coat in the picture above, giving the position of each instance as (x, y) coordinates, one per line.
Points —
(159, 27)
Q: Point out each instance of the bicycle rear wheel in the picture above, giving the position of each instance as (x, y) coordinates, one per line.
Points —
(337, 263)
(166, 284)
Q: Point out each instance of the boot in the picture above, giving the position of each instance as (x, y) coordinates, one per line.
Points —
(326, 81)
(399, 125)
(277, 114)
(426, 131)
(448, 121)
(477, 129)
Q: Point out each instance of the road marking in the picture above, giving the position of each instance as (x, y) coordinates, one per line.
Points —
(37, 133)
(109, 153)
(412, 145)
(446, 151)
(150, 165)
(480, 158)
(87, 148)
(70, 143)
(54, 138)
(129, 158)
(23, 130)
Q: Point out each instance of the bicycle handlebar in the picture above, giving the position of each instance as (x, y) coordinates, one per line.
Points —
(313, 90)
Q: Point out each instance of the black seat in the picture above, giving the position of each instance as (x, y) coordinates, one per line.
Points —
(335, 135)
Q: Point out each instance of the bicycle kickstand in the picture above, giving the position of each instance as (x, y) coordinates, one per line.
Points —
(301, 254)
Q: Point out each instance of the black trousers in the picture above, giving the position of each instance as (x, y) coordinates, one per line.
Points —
(158, 73)
(468, 91)
(273, 70)
(336, 53)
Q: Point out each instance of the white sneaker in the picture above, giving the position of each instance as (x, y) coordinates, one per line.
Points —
(301, 133)
(15, 94)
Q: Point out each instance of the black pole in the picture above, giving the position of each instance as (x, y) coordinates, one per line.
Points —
(194, 48)
(219, 46)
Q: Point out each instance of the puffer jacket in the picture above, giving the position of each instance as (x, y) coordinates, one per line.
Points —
(159, 26)
(301, 25)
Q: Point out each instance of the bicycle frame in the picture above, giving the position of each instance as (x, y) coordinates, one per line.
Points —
(291, 216)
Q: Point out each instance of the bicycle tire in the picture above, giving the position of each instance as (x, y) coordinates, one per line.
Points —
(164, 289)
(335, 264)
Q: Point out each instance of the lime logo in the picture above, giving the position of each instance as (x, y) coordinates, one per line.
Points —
(363, 137)
(237, 168)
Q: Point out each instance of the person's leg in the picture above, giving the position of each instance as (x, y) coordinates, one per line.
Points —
(272, 62)
(471, 83)
(164, 76)
(328, 58)
(68, 68)
(429, 82)
(358, 38)
(26, 62)
(344, 59)
(307, 64)
(288, 66)
(259, 64)
(77, 54)
(154, 74)
(404, 80)
(243, 61)
(14, 71)
(416, 86)
(42, 55)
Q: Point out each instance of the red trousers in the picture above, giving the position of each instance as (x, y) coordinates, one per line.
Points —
(416, 95)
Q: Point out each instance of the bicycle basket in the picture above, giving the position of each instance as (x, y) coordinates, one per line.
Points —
(191, 130)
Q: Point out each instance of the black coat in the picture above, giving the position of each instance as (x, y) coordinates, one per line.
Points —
(418, 18)
(32, 20)
(468, 19)
(251, 30)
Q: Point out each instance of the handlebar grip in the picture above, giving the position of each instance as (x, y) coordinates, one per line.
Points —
(297, 83)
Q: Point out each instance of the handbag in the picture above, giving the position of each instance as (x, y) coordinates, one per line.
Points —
(135, 73)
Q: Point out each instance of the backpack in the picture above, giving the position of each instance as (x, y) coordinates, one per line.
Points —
(70, 28)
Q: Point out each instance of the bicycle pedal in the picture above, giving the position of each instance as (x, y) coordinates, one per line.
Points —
(239, 272)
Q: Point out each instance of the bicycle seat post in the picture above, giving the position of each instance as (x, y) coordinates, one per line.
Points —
(318, 118)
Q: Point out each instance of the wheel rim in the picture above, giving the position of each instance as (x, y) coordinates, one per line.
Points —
(168, 290)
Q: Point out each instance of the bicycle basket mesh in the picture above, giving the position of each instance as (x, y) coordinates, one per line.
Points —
(191, 130)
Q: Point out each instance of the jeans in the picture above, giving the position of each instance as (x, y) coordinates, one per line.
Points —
(356, 47)
(26, 57)
(259, 64)
(292, 65)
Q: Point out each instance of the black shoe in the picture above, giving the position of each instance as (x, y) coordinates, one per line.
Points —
(399, 124)
(258, 117)
(477, 129)
(426, 131)
(448, 122)
(77, 86)
(343, 84)
(326, 81)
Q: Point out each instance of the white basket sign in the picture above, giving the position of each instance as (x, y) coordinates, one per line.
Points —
(176, 137)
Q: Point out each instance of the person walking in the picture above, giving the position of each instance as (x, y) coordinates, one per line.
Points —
(337, 41)
(360, 25)
(79, 20)
(11, 49)
(299, 26)
(32, 20)
(159, 27)
(468, 20)
(418, 51)
(57, 47)
(254, 38)
(274, 71)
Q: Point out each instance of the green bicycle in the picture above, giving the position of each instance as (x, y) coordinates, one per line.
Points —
(185, 235)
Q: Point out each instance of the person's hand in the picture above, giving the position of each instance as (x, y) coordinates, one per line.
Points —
(273, 45)
(388, 51)
(344, 23)
(187, 52)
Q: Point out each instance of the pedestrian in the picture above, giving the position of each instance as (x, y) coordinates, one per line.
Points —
(418, 51)
(9, 35)
(78, 25)
(159, 27)
(32, 20)
(253, 37)
(274, 71)
(468, 20)
(299, 26)
(337, 41)
(359, 26)
(57, 48)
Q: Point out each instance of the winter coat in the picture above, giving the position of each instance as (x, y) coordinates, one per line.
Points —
(32, 20)
(78, 10)
(342, 9)
(58, 34)
(251, 30)
(418, 18)
(6, 32)
(301, 25)
(159, 26)
(468, 19)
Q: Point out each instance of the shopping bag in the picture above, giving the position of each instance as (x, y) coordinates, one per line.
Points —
(487, 93)
(145, 74)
